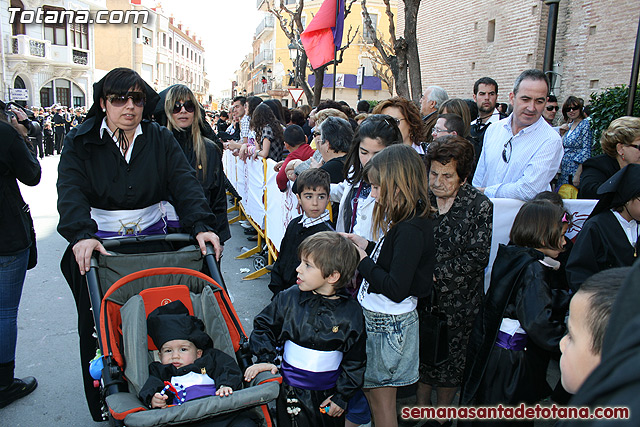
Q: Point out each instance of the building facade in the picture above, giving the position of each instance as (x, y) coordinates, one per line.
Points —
(53, 62)
(269, 73)
(162, 50)
(594, 43)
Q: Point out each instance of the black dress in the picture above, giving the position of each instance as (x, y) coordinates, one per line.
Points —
(600, 245)
(92, 173)
(519, 290)
(462, 239)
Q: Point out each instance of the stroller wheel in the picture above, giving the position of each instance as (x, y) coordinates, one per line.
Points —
(259, 262)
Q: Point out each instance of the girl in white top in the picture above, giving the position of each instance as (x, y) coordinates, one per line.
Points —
(397, 271)
(356, 204)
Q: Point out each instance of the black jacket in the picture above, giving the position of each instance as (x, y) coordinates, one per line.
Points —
(221, 367)
(212, 182)
(519, 290)
(93, 173)
(406, 261)
(595, 172)
(600, 245)
(318, 323)
(17, 162)
(284, 273)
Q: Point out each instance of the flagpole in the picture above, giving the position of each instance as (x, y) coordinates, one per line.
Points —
(335, 54)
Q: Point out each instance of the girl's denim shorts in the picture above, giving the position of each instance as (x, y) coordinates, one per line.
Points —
(392, 349)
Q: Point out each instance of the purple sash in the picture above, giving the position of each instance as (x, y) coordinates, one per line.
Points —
(516, 342)
(198, 391)
(308, 380)
(159, 227)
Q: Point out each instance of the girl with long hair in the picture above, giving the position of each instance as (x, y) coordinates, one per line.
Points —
(269, 136)
(397, 270)
(185, 120)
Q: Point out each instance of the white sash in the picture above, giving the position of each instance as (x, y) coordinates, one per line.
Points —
(311, 360)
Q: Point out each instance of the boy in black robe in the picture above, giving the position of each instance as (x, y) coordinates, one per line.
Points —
(321, 329)
(189, 367)
(313, 195)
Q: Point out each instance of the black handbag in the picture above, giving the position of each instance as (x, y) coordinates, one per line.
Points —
(434, 334)
(33, 249)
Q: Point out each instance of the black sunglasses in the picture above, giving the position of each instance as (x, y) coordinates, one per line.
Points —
(506, 154)
(188, 105)
(138, 98)
(574, 108)
(552, 107)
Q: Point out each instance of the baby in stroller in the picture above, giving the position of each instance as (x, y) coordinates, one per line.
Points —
(189, 366)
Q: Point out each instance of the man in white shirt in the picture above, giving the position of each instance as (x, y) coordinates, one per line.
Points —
(522, 153)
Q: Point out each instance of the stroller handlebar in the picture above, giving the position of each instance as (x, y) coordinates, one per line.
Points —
(113, 244)
(177, 237)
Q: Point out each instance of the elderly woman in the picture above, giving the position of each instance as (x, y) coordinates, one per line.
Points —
(409, 120)
(114, 174)
(577, 141)
(462, 237)
(620, 143)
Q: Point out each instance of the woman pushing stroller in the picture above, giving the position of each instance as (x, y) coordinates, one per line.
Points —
(114, 174)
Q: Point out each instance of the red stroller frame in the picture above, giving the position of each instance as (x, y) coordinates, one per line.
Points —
(108, 321)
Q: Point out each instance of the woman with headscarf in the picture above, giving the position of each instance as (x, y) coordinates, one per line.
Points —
(114, 174)
(609, 238)
(184, 119)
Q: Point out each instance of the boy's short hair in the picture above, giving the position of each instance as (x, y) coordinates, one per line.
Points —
(603, 289)
(331, 252)
(294, 135)
(312, 179)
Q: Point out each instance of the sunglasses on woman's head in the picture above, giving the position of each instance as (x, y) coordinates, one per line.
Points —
(188, 105)
(138, 98)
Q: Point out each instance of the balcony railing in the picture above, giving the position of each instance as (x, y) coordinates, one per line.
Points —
(266, 23)
(26, 46)
(42, 50)
(265, 55)
(80, 57)
(36, 48)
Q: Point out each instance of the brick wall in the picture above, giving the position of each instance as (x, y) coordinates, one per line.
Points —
(596, 42)
(454, 50)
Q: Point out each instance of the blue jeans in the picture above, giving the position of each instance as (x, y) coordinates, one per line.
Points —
(13, 269)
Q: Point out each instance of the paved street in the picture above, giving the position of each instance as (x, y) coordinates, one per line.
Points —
(47, 331)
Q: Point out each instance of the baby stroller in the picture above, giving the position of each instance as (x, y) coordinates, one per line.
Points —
(125, 288)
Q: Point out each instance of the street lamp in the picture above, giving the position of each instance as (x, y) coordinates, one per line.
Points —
(293, 54)
(293, 51)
